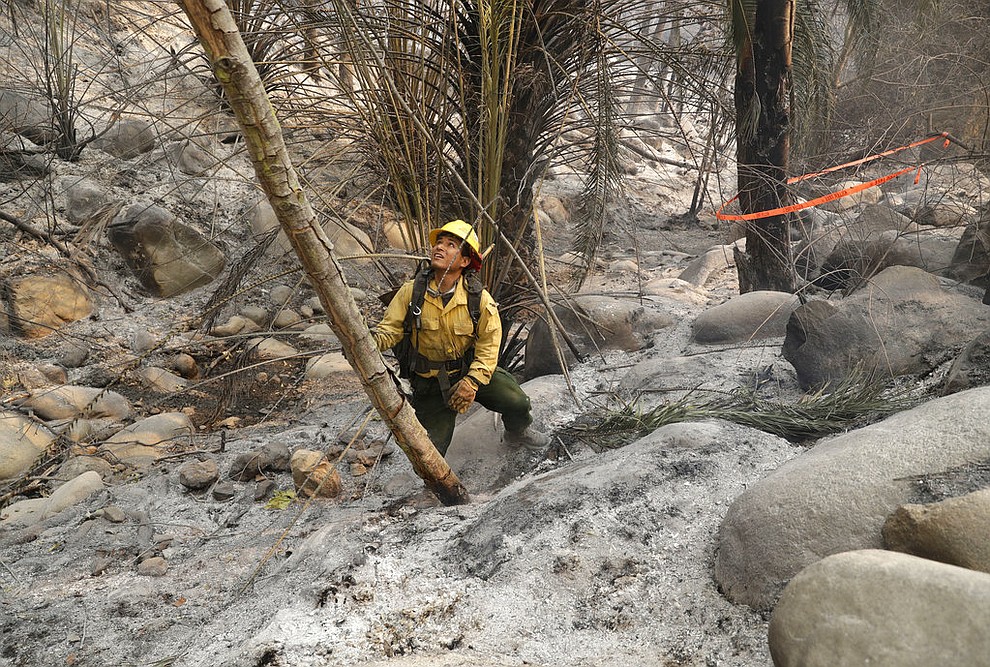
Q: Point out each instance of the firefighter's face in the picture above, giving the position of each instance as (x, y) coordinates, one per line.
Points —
(446, 255)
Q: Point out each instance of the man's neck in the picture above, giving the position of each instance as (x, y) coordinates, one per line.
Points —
(446, 280)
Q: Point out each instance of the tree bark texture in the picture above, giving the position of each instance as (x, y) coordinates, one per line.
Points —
(245, 92)
(762, 100)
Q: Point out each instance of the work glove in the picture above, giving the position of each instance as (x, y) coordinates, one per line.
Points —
(462, 396)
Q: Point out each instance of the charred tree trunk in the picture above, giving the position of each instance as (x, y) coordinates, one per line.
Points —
(518, 178)
(245, 92)
(762, 100)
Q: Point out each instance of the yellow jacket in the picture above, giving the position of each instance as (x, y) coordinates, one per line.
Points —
(447, 331)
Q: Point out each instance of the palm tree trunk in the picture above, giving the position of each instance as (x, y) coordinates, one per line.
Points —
(218, 34)
(762, 99)
(518, 179)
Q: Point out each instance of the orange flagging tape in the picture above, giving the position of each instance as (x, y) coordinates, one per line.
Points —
(838, 194)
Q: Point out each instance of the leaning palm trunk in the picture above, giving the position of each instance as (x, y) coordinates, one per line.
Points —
(234, 69)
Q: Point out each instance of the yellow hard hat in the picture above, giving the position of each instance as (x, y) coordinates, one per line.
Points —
(464, 232)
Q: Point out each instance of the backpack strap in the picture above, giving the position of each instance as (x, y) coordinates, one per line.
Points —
(414, 313)
(472, 281)
(405, 351)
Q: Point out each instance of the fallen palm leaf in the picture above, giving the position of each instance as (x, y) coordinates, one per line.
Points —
(857, 401)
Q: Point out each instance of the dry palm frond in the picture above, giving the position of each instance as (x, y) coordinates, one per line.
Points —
(604, 174)
(813, 77)
(857, 401)
(271, 32)
(231, 285)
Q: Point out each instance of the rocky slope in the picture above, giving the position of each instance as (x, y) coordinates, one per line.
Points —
(159, 522)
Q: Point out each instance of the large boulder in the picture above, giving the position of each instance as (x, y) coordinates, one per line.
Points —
(961, 179)
(814, 247)
(401, 235)
(662, 375)
(675, 290)
(348, 240)
(19, 159)
(838, 495)
(327, 365)
(127, 138)
(875, 219)
(85, 200)
(690, 466)
(29, 117)
(41, 303)
(72, 401)
(594, 323)
(746, 317)
(555, 209)
(945, 211)
(273, 457)
(190, 158)
(161, 429)
(702, 376)
(41, 375)
(167, 256)
(832, 249)
(83, 430)
(32, 510)
(75, 466)
(713, 261)
(855, 200)
(971, 368)
(18, 164)
(197, 475)
(876, 607)
(22, 442)
(952, 531)
(148, 439)
(160, 380)
(270, 348)
(902, 322)
(853, 261)
(971, 259)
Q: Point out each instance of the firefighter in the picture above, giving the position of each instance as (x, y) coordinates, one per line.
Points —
(453, 355)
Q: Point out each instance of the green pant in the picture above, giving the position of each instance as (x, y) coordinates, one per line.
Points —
(502, 395)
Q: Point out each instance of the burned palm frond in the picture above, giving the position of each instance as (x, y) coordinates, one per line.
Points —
(859, 400)
(233, 382)
(275, 35)
(232, 283)
(513, 346)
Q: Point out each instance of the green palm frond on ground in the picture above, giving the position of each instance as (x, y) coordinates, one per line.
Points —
(858, 400)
